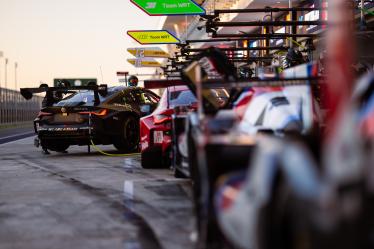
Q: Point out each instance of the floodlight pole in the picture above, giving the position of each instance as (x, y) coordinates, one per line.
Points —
(15, 84)
(1, 55)
(5, 73)
(6, 90)
(1, 95)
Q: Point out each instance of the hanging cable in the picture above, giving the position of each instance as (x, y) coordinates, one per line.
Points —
(98, 149)
(111, 155)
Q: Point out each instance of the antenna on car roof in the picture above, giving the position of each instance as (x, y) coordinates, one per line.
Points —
(102, 77)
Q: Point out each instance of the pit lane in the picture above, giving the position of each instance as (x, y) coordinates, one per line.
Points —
(12, 133)
(81, 200)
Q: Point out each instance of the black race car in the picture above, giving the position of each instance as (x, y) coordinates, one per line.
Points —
(85, 114)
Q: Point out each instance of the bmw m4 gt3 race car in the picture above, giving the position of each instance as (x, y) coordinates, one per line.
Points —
(91, 114)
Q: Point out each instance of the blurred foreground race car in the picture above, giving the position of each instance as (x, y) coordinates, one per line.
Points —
(223, 140)
(82, 115)
(291, 196)
(306, 190)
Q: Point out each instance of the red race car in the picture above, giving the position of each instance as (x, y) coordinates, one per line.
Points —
(155, 129)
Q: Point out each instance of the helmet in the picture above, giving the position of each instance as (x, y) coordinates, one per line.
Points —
(43, 85)
(133, 81)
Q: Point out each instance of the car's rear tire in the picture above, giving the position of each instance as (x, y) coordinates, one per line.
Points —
(151, 159)
(58, 147)
(179, 174)
(128, 140)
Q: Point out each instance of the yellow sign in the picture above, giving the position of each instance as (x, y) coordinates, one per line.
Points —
(148, 52)
(147, 62)
(153, 36)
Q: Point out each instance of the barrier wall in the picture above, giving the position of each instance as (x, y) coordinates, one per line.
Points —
(15, 109)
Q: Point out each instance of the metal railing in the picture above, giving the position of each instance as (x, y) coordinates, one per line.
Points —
(15, 109)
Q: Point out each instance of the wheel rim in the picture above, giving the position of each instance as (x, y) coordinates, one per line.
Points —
(131, 134)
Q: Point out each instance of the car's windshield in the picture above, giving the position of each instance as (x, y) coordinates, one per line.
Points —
(81, 98)
(178, 98)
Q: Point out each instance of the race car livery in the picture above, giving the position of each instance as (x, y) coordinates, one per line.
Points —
(83, 116)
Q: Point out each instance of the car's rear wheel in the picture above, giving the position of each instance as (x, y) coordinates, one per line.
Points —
(151, 159)
(58, 147)
(128, 140)
(155, 159)
(179, 174)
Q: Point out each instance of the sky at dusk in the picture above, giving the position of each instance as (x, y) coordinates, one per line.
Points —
(68, 39)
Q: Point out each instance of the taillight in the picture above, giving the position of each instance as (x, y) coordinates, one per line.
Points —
(163, 116)
(42, 114)
(160, 118)
(101, 112)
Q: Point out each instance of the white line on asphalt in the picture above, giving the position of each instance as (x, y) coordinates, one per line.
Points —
(128, 190)
(128, 165)
(16, 141)
(132, 245)
(17, 135)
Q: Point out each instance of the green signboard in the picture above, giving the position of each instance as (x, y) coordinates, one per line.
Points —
(169, 7)
(73, 82)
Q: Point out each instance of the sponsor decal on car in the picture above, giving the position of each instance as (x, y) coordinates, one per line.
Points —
(144, 142)
(158, 137)
(64, 129)
(144, 145)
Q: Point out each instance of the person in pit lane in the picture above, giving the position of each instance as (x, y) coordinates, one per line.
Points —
(133, 81)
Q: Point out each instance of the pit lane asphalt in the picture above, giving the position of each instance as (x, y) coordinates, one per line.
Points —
(81, 200)
(15, 133)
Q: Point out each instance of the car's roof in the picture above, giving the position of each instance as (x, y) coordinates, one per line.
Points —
(114, 90)
(121, 88)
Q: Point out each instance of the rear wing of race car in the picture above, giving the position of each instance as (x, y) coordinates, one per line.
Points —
(158, 84)
(28, 93)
